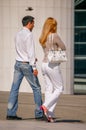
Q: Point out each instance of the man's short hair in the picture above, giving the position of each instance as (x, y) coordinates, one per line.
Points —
(27, 19)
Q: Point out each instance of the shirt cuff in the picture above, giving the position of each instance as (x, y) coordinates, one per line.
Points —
(34, 67)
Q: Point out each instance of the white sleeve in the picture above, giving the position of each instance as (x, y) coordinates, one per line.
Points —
(31, 50)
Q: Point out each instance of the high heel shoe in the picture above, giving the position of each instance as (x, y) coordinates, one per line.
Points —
(50, 119)
(45, 111)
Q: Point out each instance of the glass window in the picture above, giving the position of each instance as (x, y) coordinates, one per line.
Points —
(80, 47)
(80, 18)
(80, 34)
(80, 67)
(80, 4)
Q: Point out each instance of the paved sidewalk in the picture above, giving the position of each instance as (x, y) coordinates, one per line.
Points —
(40, 125)
(70, 113)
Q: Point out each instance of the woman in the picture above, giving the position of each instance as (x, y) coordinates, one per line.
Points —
(51, 71)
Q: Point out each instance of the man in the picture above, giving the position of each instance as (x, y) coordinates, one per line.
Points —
(25, 66)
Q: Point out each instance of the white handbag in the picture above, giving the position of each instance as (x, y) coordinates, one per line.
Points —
(56, 56)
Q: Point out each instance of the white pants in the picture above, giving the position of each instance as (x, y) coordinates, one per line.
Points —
(53, 85)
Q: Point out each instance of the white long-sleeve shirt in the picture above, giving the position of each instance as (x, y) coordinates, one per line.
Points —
(25, 46)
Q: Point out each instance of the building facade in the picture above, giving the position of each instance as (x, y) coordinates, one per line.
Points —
(80, 47)
(11, 13)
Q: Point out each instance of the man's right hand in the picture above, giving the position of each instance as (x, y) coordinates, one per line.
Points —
(35, 72)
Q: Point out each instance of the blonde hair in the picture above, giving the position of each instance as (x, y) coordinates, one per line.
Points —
(50, 26)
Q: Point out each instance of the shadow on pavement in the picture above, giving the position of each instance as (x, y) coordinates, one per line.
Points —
(57, 120)
(68, 120)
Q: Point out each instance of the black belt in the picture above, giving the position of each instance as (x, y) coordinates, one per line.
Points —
(25, 62)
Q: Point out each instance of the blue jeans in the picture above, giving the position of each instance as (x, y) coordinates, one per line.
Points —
(21, 70)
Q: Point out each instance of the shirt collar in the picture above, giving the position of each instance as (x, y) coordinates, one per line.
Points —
(25, 28)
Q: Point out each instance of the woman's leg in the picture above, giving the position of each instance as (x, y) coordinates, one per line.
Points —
(53, 77)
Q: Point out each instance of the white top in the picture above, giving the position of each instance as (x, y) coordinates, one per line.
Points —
(25, 46)
(53, 39)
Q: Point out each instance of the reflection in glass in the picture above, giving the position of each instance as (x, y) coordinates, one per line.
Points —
(80, 34)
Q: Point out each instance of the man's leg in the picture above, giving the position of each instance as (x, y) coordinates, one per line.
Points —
(34, 83)
(13, 97)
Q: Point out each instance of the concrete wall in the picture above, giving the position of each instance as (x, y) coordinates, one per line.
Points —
(11, 13)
